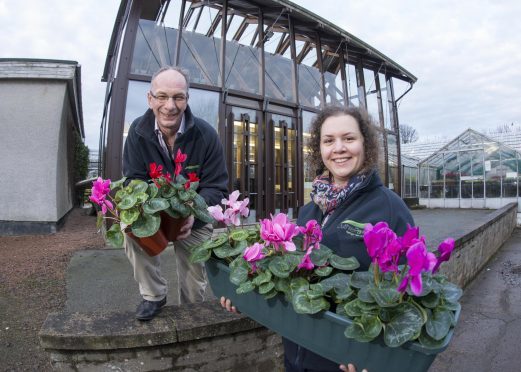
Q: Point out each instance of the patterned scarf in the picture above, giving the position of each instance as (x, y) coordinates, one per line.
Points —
(328, 195)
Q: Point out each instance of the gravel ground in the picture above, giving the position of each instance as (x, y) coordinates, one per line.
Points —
(32, 284)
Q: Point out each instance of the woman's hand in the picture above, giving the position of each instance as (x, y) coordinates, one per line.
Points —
(227, 304)
(350, 368)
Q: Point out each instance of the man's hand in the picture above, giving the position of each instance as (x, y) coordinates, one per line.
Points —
(186, 228)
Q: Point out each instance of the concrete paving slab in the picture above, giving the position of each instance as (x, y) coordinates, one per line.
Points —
(102, 280)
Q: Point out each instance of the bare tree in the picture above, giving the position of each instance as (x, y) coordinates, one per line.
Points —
(408, 134)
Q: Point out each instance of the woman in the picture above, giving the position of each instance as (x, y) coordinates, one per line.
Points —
(347, 192)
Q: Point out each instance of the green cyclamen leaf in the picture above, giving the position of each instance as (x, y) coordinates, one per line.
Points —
(129, 216)
(360, 279)
(282, 266)
(146, 225)
(439, 323)
(428, 342)
(200, 254)
(239, 273)
(245, 288)
(451, 292)
(344, 263)
(138, 186)
(385, 297)
(319, 257)
(339, 281)
(239, 235)
(303, 303)
(366, 328)
(115, 236)
(155, 205)
(324, 271)
(265, 288)
(127, 202)
(431, 300)
(406, 323)
(262, 277)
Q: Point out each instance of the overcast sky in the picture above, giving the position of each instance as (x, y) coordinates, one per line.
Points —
(466, 54)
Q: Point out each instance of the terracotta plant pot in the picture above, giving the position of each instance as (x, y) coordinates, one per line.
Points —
(170, 226)
(152, 245)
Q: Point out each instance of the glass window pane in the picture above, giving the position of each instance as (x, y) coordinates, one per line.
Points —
(334, 91)
(385, 104)
(205, 105)
(242, 67)
(155, 47)
(352, 85)
(200, 56)
(492, 171)
(309, 86)
(309, 176)
(371, 95)
(452, 176)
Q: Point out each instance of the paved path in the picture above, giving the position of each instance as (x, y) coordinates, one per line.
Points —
(488, 334)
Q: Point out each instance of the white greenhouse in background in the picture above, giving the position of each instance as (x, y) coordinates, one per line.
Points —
(472, 171)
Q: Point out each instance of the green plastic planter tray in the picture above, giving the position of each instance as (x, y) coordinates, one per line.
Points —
(322, 333)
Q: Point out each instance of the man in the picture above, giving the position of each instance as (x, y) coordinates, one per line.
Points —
(155, 137)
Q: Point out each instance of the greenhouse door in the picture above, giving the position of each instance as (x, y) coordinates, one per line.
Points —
(262, 160)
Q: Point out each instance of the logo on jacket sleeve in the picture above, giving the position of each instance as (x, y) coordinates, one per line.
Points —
(352, 228)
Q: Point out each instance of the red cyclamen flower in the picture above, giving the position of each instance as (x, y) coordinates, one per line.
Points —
(179, 158)
(156, 171)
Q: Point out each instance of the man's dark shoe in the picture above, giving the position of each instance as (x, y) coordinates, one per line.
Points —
(147, 310)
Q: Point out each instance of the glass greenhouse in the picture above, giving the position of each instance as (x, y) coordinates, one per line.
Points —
(472, 171)
(260, 71)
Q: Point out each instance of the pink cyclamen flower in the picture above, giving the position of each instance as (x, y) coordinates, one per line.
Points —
(235, 208)
(306, 263)
(100, 190)
(312, 235)
(445, 249)
(216, 212)
(231, 217)
(418, 260)
(254, 253)
(279, 232)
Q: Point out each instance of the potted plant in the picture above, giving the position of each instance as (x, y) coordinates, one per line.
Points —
(149, 212)
(280, 275)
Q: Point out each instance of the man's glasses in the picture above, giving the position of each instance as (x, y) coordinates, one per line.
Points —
(163, 98)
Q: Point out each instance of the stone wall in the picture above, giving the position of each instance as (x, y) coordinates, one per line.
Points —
(474, 249)
(195, 337)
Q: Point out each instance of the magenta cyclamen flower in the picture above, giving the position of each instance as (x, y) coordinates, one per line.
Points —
(410, 236)
(383, 246)
(445, 249)
(312, 235)
(306, 263)
(279, 232)
(418, 260)
(100, 190)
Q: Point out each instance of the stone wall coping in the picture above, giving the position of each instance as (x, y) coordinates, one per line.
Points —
(482, 223)
(120, 330)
